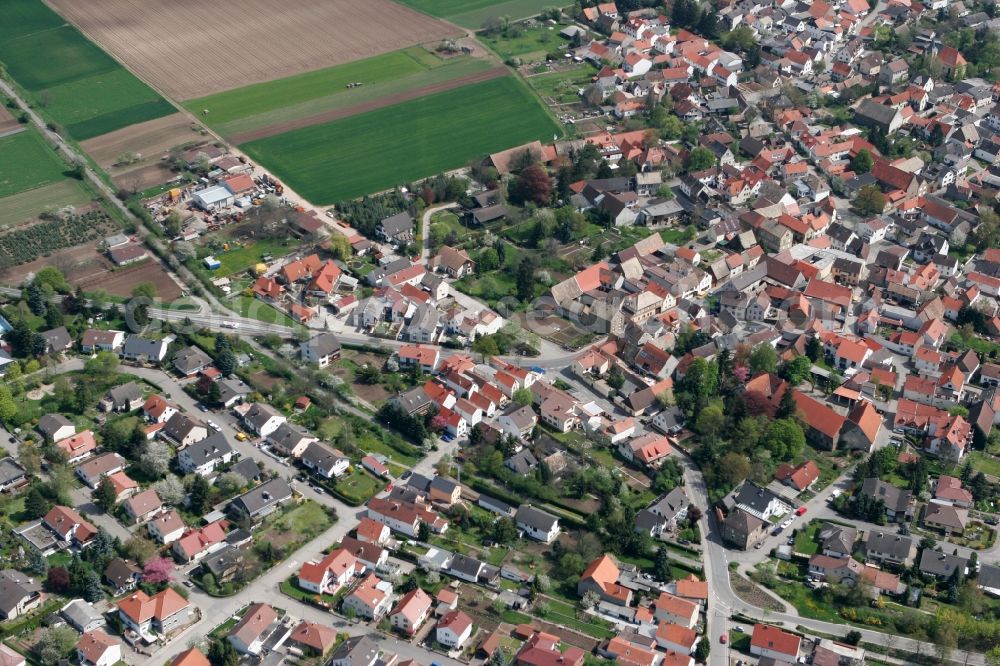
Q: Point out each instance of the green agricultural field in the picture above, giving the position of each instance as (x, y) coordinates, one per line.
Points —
(27, 163)
(70, 78)
(304, 95)
(103, 103)
(259, 98)
(22, 17)
(22, 207)
(393, 145)
(472, 13)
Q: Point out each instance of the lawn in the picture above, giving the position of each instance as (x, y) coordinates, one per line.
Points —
(305, 95)
(805, 540)
(985, 463)
(563, 86)
(254, 308)
(27, 205)
(295, 525)
(239, 258)
(528, 44)
(562, 613)
(358, 486)
(70, 78)
(27, 163)
(472, 13)
(397, 144)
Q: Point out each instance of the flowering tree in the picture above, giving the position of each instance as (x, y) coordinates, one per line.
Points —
(159, 570)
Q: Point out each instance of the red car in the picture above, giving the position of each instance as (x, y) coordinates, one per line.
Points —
(724, 639)
(800, 511)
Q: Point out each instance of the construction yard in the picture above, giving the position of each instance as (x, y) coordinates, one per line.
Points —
(189, 48)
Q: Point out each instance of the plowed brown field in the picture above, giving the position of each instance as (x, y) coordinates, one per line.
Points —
(192, 48)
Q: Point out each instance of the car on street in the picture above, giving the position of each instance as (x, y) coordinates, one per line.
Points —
(740, 629)
(723, 639)
(801, 511)
(215, 426)
(241, 436)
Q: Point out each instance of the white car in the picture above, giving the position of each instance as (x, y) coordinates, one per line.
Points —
(214, 426)
(230, 324)
(787, 522)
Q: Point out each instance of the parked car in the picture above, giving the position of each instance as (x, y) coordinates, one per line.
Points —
(801, 511)
(723, 639)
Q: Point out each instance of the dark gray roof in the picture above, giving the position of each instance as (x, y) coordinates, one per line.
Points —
(259, 414)
(419, 482)
(126, 393)
(262, 497)
(213, 447)
(466, 565)
(522, 462)
(896, 546)
(940, 564)
(222, 560)
(895, 499)
(232, 388)
(120, 572)
(287, 435)
(753, 496)
(247, 468)
(58, 338)
(444, 485)
(989, 576)
(837, 538)
(398, 223)
(535, 518)
(14, 587)
(190, 360)
(356, 651)
(413, 400)
(50, 423)
(179, 425)
(320, 455)
(10, 471)
(136, 345)
(670, 504)
(873, 113)
(323, 344)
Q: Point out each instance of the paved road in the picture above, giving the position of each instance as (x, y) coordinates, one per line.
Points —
(215, 610)
(425, 229)
(723, 602)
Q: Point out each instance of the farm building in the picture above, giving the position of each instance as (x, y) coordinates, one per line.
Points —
(213, 198)
(124, 255)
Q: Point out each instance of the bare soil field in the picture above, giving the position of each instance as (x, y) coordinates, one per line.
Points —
(122, 281)
(190, 48)
(8, 123)
(141, 177)
(346, 112)
(83, 265)
(151, 141)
